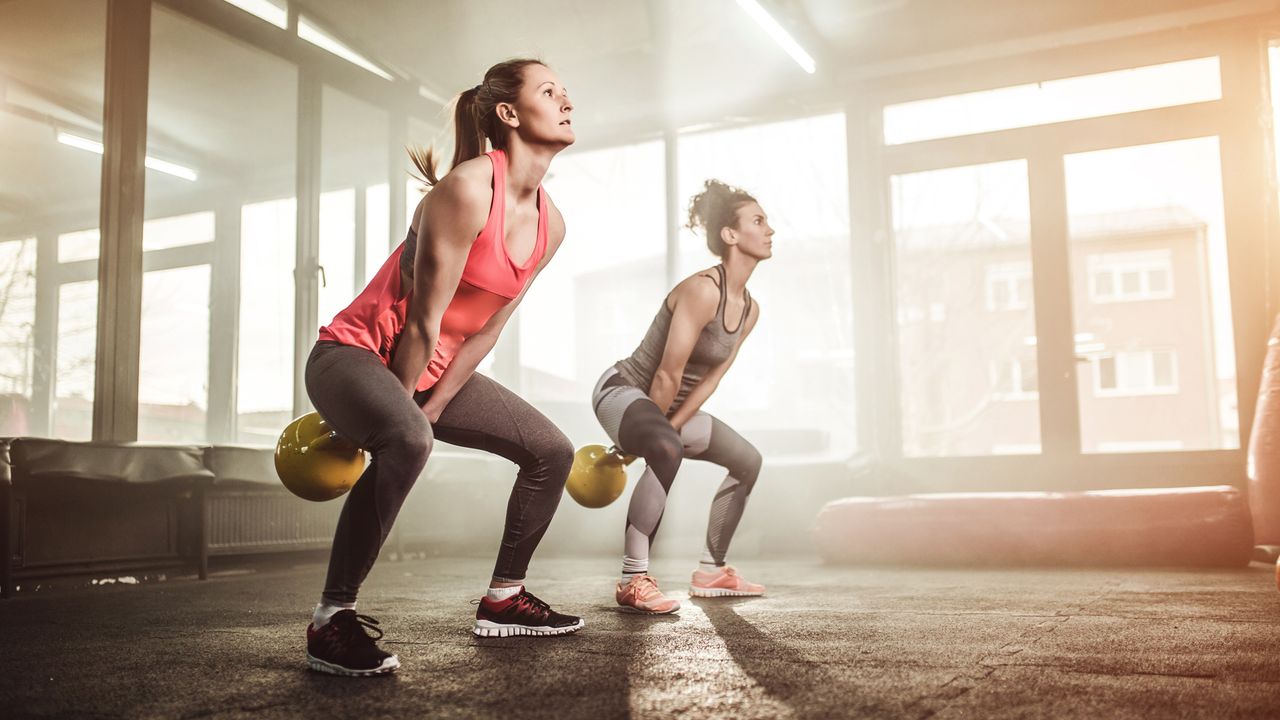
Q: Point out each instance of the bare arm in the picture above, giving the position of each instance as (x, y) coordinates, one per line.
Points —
(448, 221)
(703, 390)
(475, 348)
(695, 301)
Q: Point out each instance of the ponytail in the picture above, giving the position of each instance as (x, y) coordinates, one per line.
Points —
(475, 119)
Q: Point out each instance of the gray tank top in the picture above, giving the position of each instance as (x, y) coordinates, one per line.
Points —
(714, 346)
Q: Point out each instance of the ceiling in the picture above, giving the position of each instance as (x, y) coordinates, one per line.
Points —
(640, 65)
(633, 68)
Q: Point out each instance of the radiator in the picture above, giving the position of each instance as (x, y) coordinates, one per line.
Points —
(265, 521)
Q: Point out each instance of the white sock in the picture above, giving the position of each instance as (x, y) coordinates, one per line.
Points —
(632, 567)
(325, 611)
(502, 593)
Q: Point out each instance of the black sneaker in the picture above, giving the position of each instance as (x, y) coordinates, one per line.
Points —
(522, 614)
(342, 647)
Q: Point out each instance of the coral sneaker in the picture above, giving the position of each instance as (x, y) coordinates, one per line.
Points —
(724, 582)
(641, 595)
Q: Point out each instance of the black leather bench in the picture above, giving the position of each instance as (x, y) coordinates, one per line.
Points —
(71, 507)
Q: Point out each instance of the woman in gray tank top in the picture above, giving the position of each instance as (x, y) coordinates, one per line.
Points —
(650, 402)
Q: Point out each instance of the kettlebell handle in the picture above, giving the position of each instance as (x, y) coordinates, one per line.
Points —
(618, 453)
(323, 441)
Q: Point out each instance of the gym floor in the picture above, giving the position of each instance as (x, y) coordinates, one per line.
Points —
(825, 642)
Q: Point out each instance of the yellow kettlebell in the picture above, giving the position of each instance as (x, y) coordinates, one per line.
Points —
(598, 475)
(313, 462)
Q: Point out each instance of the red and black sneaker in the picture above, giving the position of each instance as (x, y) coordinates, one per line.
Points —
(343, 647)
(522, 614)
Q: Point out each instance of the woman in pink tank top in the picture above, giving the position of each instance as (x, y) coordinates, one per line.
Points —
(395, 370)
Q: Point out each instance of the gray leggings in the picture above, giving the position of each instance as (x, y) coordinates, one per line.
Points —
(365, 403)
(638, 427)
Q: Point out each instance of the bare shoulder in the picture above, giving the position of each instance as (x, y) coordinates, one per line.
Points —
(699, 293)
(470, 181)
(704, 283)
(464, 194)
(478, 169)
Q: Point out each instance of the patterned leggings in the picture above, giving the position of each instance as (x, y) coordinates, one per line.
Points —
(638, 427)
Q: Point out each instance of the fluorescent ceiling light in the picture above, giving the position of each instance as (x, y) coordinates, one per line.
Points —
(169, 168)
(76, 141)
(163, 166)
(315, 36)
(264, 9)
(779, 34)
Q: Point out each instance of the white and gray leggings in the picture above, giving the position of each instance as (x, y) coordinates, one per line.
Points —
(638, 427)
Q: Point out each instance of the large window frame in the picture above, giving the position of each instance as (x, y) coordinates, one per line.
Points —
(1061, 464)
(401, 99)
(1240, 45)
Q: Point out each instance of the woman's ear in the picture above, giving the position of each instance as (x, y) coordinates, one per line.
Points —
(507, 115)
(728, 236)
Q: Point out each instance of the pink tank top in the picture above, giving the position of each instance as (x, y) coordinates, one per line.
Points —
(491, 279)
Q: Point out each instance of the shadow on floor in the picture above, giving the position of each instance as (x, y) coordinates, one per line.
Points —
(802, 683)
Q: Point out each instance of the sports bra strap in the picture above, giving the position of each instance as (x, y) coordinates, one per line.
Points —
(724, 294)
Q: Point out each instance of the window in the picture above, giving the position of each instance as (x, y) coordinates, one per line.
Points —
(264, 388)
(173, 371)
(178, 231)
(76, 359)
(378, 242)
(52, 55)
(794, 377)
(173, 382)
(1128, 277)
(593, 302)
(17, 340)
(79, 245)
(355, 211)
(1086, 96)
(1146, 223)
(1009, 287)
(962, 242)
(1137, 372)
(337, 252)
(195, 385)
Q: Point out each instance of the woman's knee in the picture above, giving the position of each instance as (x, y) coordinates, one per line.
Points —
(663, 450)
(550, 456)
(411, 441)
(747, 466)
(557, 452)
